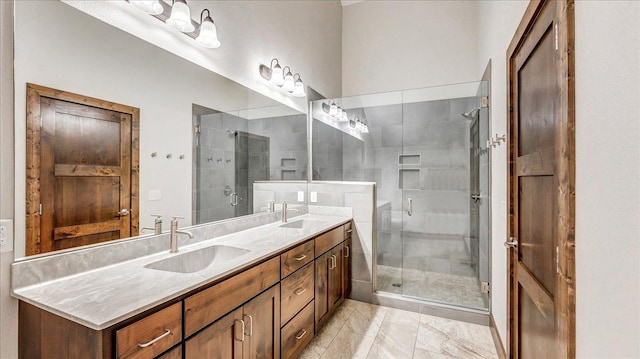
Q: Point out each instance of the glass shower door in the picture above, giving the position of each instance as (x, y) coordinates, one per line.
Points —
(439, 260)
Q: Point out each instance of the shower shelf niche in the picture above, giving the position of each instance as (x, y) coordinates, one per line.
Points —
(409, 178)
(409, 159)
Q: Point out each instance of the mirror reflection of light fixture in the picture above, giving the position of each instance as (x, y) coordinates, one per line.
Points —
(180, 18)
(208, 36)
(151, 7)
(365, 126)
(298, 90)
(344, 117)
(333, 109)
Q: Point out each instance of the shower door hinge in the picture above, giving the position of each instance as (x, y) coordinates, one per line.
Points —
(484, 101)
(485, 287)
(196, 128)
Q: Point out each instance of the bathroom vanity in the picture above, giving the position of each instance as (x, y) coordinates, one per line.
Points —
(274, 287)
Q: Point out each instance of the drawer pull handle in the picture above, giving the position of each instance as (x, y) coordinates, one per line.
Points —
(348, 251)
(349, 231)
(234, 328)
(250, 324)
(299, 258)
(299, 291)
(301, 334)
(149, 343)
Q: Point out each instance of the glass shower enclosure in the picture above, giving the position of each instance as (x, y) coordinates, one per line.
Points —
(426, 149)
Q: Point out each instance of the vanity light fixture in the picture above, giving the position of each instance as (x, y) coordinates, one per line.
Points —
(208, 36)
(344, 117)
(180, 18)
(283, 77)
(298, 90)
(151, 7)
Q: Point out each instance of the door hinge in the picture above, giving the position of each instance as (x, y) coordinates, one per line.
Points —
(197, 129)
(485, 287)
(557, 259)
(484, 101)
(40, 209)
(556, 35)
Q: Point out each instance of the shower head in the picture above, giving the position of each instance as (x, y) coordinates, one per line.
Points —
(471, 114)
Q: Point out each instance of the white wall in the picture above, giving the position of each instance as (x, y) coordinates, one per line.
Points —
(498, 21)
(399, 45)
(608, 179)
(303, 34)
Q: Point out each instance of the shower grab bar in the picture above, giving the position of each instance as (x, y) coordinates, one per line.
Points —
(410, 210)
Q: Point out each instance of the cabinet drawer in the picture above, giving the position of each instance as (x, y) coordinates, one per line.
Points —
(176, 353)
(347, 230)
(297, 290)
(152, 335)
(328, 240)
(207, 306)
(296, 258)
(298, 333)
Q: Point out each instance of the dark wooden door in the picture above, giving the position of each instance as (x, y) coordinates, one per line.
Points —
(541, 184)
(336, 278)
(84, 159)
(348, 264)
(221, 340)
(262, 325)
(323, 263)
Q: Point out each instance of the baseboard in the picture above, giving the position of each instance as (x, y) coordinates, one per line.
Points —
(502, 354)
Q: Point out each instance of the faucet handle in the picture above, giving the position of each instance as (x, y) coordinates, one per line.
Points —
(158, 217)
(174, 219)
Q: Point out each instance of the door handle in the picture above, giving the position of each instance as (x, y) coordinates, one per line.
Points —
(348, 252)
(123, 212)
(234, 199)
(410, 209)
(250, 324)
(511, 243)
(234, 328)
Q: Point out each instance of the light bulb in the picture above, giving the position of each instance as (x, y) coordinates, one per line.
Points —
(208, 36)
(276, 75)
(298, 90)
(180, 18)
(365, 128)
(151, 7)
(344, 117)
(289, 85)
(333, 109)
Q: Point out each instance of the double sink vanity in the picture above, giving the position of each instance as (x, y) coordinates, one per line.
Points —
(259, 288)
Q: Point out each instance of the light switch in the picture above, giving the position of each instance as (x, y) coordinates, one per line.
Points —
(6, 235)
(313, 197)
(300, 196)
(154, 195)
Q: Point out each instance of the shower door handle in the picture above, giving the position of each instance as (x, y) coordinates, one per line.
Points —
(234, 199)
(410, 206)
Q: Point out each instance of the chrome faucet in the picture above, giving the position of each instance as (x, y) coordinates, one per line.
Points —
(174, 234)
(157, 227)
(284, 211)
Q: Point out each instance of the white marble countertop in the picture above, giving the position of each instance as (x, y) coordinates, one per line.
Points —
(103, 297)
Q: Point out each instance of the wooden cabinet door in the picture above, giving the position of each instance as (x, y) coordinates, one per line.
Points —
(348, 264)
(335, 277)
(221, 340)
(322, 288)
(262, 325)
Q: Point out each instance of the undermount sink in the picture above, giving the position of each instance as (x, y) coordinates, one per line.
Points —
(299, 223)
(198, 260)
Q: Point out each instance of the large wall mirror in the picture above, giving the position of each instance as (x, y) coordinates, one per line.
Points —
(203, 139)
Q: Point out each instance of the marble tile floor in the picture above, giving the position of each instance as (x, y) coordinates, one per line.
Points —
(368, 331)
(439, 287)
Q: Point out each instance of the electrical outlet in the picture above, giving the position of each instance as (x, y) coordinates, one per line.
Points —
(154, 195)
(6, 235)
(313, 197)
(300, 196)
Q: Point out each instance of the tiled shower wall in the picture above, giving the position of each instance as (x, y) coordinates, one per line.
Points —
(422, 147)
(216, 167)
